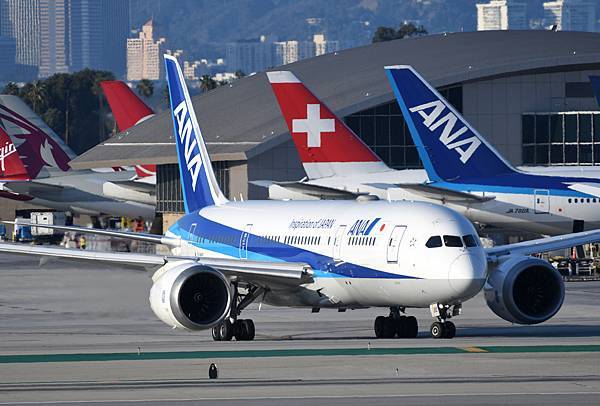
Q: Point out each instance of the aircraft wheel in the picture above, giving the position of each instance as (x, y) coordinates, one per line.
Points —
(226, 330)
(401, 327)
(378, 327)
(216, 333)
(389, 327)
(412, 327)
(449, 330)
(250, 329)
(437, 330)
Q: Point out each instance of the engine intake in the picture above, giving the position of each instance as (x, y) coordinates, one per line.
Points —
(525, 290)
(191, 296)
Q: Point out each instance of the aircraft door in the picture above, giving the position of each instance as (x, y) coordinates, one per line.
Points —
(193, 237)
(541, 202)
(393, 245)
(337, 243)
(244, 241)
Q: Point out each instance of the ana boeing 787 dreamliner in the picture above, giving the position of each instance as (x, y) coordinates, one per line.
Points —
(322, 254)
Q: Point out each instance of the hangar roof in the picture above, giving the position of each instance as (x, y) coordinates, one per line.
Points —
(242, 120)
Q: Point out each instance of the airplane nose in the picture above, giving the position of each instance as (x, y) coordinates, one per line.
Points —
(466, 275)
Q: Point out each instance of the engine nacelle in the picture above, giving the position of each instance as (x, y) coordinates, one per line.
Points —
(524, 290)
(190, 296)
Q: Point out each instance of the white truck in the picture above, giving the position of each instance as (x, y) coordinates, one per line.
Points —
(42, 234)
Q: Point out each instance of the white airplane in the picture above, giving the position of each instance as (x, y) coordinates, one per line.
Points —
(462, 170)
(322, 254)
(49, 181)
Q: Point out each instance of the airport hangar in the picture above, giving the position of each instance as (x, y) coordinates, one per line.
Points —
(527, 92)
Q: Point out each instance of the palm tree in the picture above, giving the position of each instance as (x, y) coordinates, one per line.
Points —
(145, 88)
(11, 88)
(37, 95)
(207, 83)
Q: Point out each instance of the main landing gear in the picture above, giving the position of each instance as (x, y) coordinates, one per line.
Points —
(396, 325)
(241, 329)
(443, 328)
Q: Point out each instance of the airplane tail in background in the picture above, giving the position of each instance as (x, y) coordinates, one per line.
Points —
(41, 151)
(11, 167)
(451, 150)
(325, 144)
(596, 87)
(128, 110)
(198, 181)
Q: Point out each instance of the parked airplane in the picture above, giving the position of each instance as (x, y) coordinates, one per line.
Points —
(339, 165)
(322, 254)
(50, 180)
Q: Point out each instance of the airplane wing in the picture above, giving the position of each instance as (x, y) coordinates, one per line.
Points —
(33, 188)
(136, 186)
(246, 270)
(545, 244)
(151, 238)
(435, 192)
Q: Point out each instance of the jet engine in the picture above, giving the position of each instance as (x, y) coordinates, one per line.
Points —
(524, 290)
(190, 296)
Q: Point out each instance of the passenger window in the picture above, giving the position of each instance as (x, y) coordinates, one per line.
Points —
(469, 240)
(452, 241)
(434, 242)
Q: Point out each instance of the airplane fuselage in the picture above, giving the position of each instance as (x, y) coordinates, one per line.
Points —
(362, 254)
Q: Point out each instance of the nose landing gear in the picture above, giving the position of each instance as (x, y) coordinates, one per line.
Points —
(443, 328)
(396, 325)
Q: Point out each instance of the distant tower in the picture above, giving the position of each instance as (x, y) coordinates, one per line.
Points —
(501, 15)
(571, 15)
(19, 19)
(143, 55)
(54, 51)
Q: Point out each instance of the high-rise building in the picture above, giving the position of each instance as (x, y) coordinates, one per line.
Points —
(20, 19)
(571, 15)
(143, 55)
(250, 55)
(286, 52)
(115, 30)
(7, 58)
(501, 15)
(323, 46)
(54, 38)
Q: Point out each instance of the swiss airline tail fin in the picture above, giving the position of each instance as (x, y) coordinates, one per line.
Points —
(198, 181)
(326, 146)
(451, 150)
(11, 166)
(128, 110)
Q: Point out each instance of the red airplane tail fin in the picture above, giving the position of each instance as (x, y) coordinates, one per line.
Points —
(11, 166)
(126, 106)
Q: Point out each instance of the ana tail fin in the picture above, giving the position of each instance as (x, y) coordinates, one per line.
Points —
(198, 181)
(325, 144)
(451, 150)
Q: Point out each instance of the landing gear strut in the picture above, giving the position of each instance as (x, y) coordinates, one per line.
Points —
(443, 328)
(241, 329)
(396, 325)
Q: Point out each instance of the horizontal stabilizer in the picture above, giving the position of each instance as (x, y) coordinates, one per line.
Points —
(587, 188)
(320, 192)
(545, 244)
(435, 192)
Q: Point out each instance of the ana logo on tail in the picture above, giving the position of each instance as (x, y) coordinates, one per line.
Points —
(184, 130)
(432, 120)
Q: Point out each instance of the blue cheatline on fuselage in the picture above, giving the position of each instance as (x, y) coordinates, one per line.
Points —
(264, 249)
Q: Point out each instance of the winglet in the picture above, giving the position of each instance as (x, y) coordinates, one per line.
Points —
(198, 181)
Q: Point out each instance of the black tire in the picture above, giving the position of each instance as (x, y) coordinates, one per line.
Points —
(389, 328)
(240, 330)
(449, 330)
(412, 327)
(216, 333)
(378, 327)
(401, 327)
(226, 330)
(250, 329)
(437, 330)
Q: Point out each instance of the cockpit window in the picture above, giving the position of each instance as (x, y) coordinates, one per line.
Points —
(470, 240)
(452, 241)
(434, 242)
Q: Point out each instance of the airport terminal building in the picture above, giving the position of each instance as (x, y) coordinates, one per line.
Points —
(527, 92)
